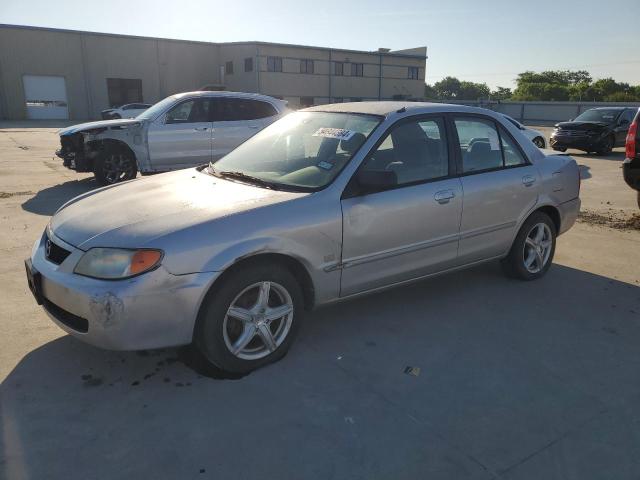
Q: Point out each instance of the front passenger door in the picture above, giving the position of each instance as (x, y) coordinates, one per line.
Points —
(410, 230)
(182, 137)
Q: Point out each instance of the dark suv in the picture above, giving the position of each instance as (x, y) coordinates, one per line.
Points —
(596, 130)
(631, 165)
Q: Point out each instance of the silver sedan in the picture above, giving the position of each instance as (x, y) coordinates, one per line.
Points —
(323, 205)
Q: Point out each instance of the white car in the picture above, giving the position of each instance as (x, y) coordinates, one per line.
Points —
(535, 136)
(131, 110)
(181, 131)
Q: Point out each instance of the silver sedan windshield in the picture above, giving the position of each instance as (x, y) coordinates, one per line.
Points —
(303, 150)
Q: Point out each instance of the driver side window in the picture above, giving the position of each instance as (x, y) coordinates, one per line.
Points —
(191, 111)
(416, 151)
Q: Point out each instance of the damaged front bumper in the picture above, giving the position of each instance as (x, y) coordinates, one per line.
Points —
(73, 153)
(154, 310)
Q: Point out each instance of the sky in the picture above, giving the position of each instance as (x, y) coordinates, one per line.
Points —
(477, 40)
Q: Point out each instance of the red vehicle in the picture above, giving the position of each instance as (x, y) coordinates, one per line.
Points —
(631, 165)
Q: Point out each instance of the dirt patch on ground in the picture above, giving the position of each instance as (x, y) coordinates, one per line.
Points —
(618, 219)
(15, 194)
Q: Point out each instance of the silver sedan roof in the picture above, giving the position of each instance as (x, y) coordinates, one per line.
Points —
(386, 108)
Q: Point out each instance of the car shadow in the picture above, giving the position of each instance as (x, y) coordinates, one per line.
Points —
(585, 172)
(616, 155)
(48, 200)
(504, 368)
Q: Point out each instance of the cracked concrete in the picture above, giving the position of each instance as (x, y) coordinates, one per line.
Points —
(517, 380)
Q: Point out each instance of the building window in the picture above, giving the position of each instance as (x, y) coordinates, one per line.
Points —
(357, 69)
(306, 102)
(413, 73)
(306, 66)
(248, 64)
(228, 68)
(274, 64)
(338, 69)
(121, 91)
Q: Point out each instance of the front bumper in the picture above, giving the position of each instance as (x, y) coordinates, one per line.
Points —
(580, 142)
(154, 310)
(568, 214)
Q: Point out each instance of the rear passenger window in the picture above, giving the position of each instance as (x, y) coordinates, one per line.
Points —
(483, 148)
(238, 109)
(416, 151)
(512, 155)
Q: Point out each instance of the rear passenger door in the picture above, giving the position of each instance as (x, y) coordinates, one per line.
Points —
(236, 120)
(500, 187)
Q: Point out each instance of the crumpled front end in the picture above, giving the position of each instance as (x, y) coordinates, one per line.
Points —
(153, 310)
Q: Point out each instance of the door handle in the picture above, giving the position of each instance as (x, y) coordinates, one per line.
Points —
(201, 129)
(528, 180)
(444, 196)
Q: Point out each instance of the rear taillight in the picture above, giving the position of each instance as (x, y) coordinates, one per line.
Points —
(631, 139)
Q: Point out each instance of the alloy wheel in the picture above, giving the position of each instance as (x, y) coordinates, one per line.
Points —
(539, 142)
(258, 320)
(537, 248)
(118, 167)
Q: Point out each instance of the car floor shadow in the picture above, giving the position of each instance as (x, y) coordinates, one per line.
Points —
(507, 368)
(616, 156)
(585, 172)
(48, 200)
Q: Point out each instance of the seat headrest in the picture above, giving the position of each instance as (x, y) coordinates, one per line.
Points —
(353, 143)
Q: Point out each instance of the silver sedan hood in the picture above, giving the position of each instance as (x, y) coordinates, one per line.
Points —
(133, 214)
(100, 124)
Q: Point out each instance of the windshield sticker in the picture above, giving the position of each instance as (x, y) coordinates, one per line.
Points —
(325, 165)
(493, 139)
(339, 133)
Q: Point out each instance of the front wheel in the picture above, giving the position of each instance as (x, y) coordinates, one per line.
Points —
(250, 319)
(532, 251)
(114, 166)
(539, 142)
(560, 149)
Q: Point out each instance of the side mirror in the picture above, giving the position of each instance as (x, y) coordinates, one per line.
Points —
(371, 181)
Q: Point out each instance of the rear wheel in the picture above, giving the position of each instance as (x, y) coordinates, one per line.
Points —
(532, 251)
(539, 142)
(114, 166)
(607, 146)
(251, 319)
(560, 149)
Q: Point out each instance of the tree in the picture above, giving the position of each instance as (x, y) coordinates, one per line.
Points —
(501, 93)
(430, 93)
(473, 91)
(448, 88)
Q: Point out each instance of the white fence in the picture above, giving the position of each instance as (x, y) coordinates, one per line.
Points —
(542, 113)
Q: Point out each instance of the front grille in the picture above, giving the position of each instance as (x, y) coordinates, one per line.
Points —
(55, 253)
(572, 133)
(72, 321)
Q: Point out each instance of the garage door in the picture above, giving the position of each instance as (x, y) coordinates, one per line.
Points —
(45, 96)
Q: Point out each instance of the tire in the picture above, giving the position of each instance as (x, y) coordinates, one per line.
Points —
(522, 262)
(116, 116)
(114, 166)
(607, 146)
(638, 198)
(237, 343)
(539, 142)
(560, 149)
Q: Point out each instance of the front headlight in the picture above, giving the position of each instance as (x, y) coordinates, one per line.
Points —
(117, 263)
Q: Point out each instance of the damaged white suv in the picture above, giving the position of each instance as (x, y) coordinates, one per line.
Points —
(181, 131)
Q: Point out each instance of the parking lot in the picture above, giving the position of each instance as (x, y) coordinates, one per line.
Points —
(516, 380)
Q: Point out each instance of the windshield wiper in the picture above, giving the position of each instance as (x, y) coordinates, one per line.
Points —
(243, 177)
